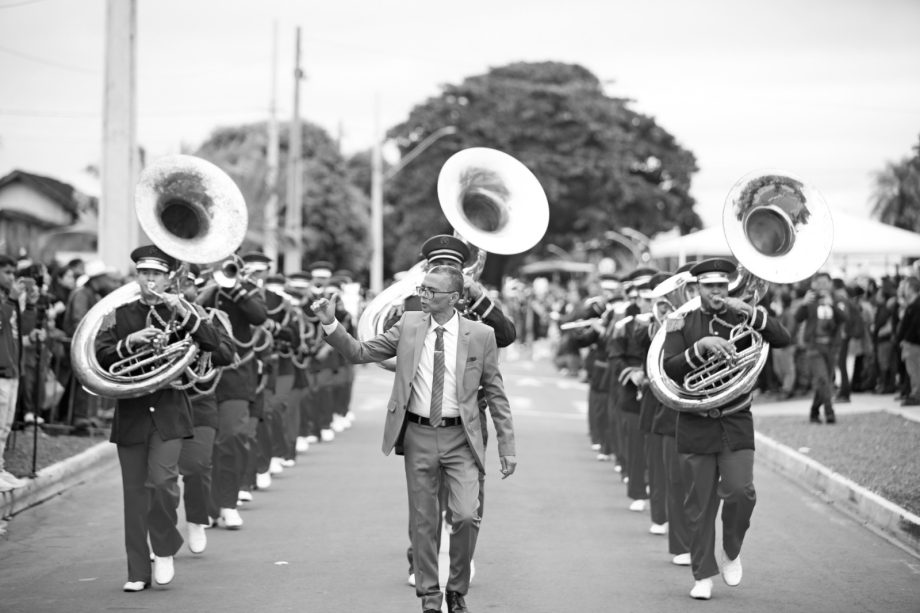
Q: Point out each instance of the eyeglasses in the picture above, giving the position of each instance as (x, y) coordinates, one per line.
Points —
(428, 293)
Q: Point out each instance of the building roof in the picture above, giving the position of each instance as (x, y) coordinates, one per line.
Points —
(62, 193)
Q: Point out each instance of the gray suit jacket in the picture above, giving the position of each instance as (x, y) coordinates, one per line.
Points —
(477, 365)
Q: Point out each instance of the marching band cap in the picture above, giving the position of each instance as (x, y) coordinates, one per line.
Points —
(299, 280)
(256, 261)
(274, 279)
(639, 278)
(194, 273)
(658, 278)
(151, 257)
(321, 270)
(713, 270)
(344, 274)
(445, 247)
(686, 267)
(609, 281)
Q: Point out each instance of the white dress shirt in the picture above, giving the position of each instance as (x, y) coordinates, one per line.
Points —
(420, 400)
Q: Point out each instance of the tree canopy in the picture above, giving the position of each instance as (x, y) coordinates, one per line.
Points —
(896, 199)
(335, 212)
(602, 165)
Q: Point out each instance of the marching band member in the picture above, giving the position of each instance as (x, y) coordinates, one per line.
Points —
(195, 458)
(664, 424)
(716, 448)
(235, 393)
(325, 363)
(299, 286)
(627, 362)
(603, 310)
(148, 430)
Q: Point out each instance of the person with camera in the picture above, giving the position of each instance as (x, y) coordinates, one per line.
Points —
(10, 360)
(822, 336)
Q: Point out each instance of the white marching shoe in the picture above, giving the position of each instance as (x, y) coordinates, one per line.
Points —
(311, 439)
(288, 462)
(637, 506)
(230, 519)
(263, 480)
(197, 538)
(595, 447)
(302, 445)
(134, 586)
(244, 496)
(659, 529)
(411, 580)
(327, 435)
(702, 589)
(338, 424)
(163, 570)
(681, 559)
(275, 467)
(603, 457)
(731, 570)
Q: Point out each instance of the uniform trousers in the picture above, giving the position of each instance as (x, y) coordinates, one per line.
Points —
(150, 485)
(195, 468)
(633, 440)
(678, 531)
(231, 449)
(610, 443)
(305, 405)
(657, 480)
(597, 411)
(710, 478)
(289, 400)
(433, 454)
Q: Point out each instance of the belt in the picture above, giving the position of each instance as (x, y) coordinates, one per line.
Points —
(445, 421)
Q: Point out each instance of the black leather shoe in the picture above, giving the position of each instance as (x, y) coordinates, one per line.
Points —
(455, 603)
(432, 611)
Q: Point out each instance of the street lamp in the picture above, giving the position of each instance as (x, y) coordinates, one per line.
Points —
(377, 184)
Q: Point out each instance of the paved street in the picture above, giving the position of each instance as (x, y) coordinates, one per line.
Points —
(330, 535)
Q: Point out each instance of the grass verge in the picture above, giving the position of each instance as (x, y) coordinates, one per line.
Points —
(879, 451)
(51, 449)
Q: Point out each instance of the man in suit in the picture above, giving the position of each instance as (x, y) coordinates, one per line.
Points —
(149, 429)
(433, 418)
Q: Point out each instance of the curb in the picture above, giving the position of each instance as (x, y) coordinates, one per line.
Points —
(54, 479)
(873, 511)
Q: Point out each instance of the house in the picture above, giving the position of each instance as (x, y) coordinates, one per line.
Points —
(38, 215)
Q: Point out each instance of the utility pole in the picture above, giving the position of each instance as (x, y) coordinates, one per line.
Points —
(270, 221)
(377, 205)
(118, 228)
(293, 251)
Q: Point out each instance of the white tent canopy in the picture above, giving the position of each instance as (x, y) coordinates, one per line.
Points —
(853, 236)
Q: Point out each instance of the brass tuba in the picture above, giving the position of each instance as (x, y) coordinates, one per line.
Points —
(193, 211)
(493, 202)
(780, 230)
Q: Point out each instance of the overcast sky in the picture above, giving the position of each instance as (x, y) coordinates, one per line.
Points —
(826, 89)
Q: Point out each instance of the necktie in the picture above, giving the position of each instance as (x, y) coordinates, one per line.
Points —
(437, 385)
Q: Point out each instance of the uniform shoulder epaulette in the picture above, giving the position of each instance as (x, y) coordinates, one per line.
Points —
(674, 322)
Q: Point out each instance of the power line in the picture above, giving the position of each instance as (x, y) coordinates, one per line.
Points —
(46, 62)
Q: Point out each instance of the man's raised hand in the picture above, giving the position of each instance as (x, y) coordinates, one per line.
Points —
(324, 309)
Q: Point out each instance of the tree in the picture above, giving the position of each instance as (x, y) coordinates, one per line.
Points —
(603, 165)
(335, 212)
(896, 198)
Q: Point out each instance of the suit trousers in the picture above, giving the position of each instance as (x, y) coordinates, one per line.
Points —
(910, 353)
(657, 481)
(9, 391)
(150, 486)
(678, 531)
(710, 478)
(195, 468)
(231, 452)
(433, 454)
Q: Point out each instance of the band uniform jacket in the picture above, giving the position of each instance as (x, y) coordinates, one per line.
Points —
(700, 432)
(204, 405)
(628, 348)
(168, 410)
(477, 365)
(245, 308)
